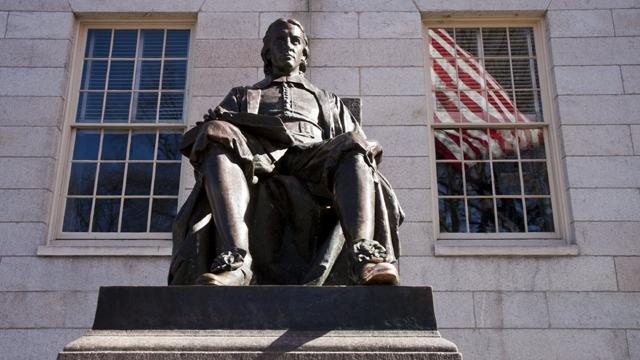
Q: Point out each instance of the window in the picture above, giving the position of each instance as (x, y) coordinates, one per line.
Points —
(490, 127)
(122, 176)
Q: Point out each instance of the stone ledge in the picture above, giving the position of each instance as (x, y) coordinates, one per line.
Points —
(261, 340)
(470, 250)
(263, 344)
(79, 250)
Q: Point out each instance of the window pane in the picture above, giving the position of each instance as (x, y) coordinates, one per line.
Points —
(534, 178)
(443, 73)
(89, 107)
(162, 214)
(174, 74)
(142, 145)
(94, 75)
(531, 143)
(76, 215)
(448, 145)
(98, 41)
(507, 178)
(478, 176)
(152, 42)
(121, 75)
(169, 145)
(449, 178)
(452, 215)
(149, 75)
(510, 215)
(470, 74)
(82, 179)
(475, 144)
(539, 215)
(447, 107)
(523, 73)
(134, 215)
(86, 145)
(481, 216)
(501, 109)
(503, 144)
(117, 107)
(106, 215)
(495, 42)
(500, 71)
(529, 105)
(467, 40)
(139, 179)
(110, 179)
(146, 107)
(439, 40)
(114, 146)
(472, 105)
(171, 106)
(177, 43)
(167, 179)
(124, 43)
(521, 40)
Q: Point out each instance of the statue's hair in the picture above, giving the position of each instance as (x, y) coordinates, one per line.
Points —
(268, 37)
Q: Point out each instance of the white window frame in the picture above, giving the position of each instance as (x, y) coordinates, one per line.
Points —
(560, 242)
(109, 244)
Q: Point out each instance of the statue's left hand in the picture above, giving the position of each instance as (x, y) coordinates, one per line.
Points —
(210, 115)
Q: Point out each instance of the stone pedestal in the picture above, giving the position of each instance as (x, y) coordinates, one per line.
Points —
(263, 322)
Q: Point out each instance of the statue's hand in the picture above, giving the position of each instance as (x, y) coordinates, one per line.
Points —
(261, 167)
(210, 115)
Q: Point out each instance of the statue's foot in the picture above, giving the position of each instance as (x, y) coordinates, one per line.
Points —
(382, 273)
(228, 278)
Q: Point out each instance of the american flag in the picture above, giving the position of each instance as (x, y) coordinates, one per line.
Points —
(467, 94)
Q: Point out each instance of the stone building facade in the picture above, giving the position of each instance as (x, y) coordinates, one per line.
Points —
(572, 297)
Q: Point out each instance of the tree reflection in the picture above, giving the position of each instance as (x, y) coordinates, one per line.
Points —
(106, 215)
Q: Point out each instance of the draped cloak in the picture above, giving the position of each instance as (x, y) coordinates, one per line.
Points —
(294, 235)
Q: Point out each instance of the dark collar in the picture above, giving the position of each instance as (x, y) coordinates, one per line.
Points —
(299, 79)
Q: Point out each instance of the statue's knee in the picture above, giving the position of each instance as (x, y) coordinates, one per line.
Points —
(218, 126)
(220, 159)
(354, 160)
(215, 149)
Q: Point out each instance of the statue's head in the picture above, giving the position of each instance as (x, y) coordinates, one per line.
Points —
(285, 47)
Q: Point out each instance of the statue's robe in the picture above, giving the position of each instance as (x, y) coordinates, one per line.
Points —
(294, 235)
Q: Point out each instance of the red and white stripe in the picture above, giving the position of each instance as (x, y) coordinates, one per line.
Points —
(453, 69)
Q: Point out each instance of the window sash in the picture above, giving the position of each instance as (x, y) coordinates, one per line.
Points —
(69, 132)
(543, 125)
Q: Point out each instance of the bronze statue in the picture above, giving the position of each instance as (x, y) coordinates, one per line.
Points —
(287, 187)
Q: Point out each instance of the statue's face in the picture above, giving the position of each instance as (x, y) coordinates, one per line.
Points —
(286, 50)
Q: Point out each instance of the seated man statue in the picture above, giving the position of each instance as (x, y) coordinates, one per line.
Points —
(271, 161)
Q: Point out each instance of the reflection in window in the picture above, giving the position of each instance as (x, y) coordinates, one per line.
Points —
(129, 71)
(124, 177)
(499, 64)
(491, 164)
(139, 167)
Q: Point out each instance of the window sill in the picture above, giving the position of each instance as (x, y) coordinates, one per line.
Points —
(81, 250)
(505, 248)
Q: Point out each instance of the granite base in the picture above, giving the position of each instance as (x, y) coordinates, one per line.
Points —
(263, 322)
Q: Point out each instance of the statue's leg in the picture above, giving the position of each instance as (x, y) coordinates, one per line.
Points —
(354, 199)
(228, 194)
